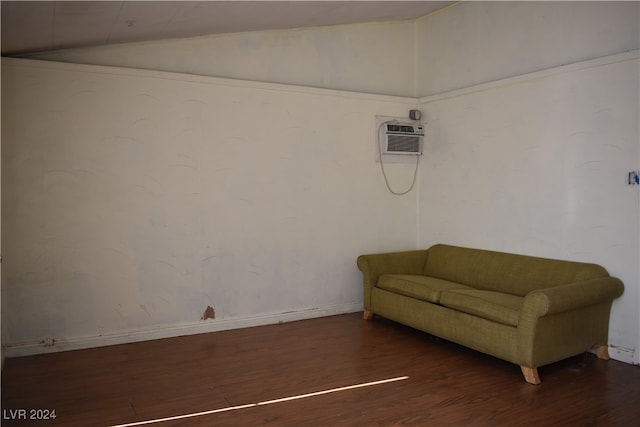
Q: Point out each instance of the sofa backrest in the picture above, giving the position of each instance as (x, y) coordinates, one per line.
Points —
(505, 272)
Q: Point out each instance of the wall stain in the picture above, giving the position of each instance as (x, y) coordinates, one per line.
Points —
(209, 313)
(144, 308)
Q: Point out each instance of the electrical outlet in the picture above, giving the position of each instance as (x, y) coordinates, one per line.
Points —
(633, 178)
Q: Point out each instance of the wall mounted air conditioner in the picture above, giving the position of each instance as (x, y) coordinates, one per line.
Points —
(402, 138)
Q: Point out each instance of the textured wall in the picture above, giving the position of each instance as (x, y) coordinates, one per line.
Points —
(538, 165)
(133, 200)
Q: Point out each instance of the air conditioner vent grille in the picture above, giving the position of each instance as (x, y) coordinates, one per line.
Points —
(402, 138)
(403, 144)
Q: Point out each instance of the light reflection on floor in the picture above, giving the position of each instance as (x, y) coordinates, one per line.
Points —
(266, 402)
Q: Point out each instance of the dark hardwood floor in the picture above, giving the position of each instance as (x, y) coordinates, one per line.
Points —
(447, 385)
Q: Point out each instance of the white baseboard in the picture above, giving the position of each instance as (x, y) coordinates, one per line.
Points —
(622, 354)
(77, 343)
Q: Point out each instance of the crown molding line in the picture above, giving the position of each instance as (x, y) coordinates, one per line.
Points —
(536, 75)
(200, 79)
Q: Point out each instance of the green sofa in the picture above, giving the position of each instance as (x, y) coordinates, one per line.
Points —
(527, 310)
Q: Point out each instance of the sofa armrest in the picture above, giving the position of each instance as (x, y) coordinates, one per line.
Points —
(558, 299)
(373, 266)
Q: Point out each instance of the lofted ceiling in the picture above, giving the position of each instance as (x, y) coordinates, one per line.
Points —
(36, 26)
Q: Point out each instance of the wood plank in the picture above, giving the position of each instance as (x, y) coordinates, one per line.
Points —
(447, 385)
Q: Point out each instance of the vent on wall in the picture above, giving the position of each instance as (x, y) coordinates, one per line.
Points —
(402, 138)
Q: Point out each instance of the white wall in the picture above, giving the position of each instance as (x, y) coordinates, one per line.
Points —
(134, 199)
(538, 165)
(477, 42)
(371, 58)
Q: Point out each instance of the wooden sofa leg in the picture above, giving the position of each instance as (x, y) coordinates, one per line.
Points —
(368, 315)
(602, 351)
(530, 375)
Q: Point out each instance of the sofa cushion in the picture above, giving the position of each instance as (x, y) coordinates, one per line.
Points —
(496, 306)
(424, 288)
